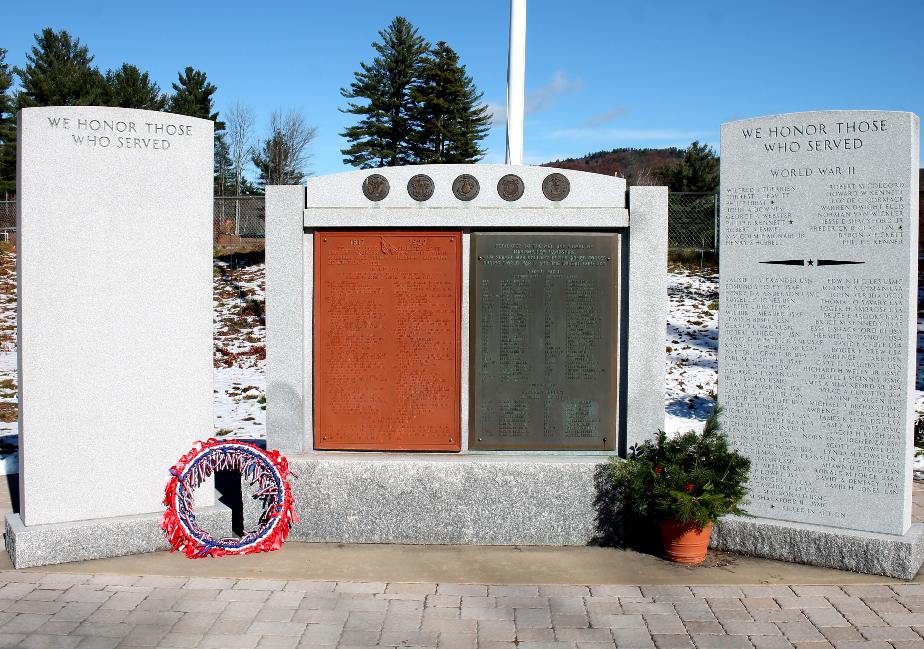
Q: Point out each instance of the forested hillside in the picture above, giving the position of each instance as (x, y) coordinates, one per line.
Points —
(638, 166)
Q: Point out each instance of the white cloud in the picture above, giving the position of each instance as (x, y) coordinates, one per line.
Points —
(546, 96)
(539, 100)
(498, 113)
(603, 118)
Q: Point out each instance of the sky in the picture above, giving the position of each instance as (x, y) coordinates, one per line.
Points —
(600, 74)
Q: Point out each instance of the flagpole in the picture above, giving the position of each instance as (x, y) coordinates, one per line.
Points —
(516, 82)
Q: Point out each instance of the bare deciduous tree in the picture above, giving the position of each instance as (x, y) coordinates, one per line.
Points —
(645, 176)
(240, 137)
(283, 157)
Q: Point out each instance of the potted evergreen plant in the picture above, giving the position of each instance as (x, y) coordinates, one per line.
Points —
(684, 484)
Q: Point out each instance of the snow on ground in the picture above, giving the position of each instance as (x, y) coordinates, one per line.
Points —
(691, 344)
(692, 341)
(9, 456)
(240, 348)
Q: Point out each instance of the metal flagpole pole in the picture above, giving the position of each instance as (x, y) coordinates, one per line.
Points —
(516, 82)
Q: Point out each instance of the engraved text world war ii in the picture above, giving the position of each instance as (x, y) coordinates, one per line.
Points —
(818, 302)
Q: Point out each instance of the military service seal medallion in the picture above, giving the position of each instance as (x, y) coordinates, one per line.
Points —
(556, 187)
(375, 187)
(510, 187)
(420, 187)
(465, 187)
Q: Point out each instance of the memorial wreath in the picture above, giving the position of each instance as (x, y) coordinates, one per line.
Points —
(267, 471)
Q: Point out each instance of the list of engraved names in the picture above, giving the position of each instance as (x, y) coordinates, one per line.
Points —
(815, 313)
(544, 369)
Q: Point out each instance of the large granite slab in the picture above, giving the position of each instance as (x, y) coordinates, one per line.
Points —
(114, 250)
(819, 245)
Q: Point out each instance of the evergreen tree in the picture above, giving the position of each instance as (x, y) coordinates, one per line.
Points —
(250, 189)
(129, 87)
(269, 159)
(698, 171)
(223, 171)
(7, 130)
(192, 96)
(59, 73)
(449, 122)
(283, 157)
(383, 137)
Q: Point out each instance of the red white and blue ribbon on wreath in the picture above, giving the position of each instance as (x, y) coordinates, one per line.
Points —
(266, 471)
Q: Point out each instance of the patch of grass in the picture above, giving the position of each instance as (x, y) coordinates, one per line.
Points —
(692, 259)
(253, 307)
(241, 257)
(9, 412)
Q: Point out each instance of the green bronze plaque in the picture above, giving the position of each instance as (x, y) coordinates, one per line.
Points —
(544, 341)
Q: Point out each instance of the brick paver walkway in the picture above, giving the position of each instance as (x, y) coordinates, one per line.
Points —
(106, 611)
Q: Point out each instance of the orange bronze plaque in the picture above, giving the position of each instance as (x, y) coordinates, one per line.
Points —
(387, 329)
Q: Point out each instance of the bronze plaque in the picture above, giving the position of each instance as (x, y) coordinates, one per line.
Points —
(387, 331)
(544, 341)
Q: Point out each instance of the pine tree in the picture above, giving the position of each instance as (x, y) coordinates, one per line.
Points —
(192, 96)
(223, 171)
(7, 130)
(698, 171)
(449, 122)
(383, 137)
(59, 73)
(129, 87)
(282, 158)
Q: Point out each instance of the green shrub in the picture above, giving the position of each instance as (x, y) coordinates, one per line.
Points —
(693, 478)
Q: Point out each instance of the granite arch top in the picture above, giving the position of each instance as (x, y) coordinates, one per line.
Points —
(338, 200)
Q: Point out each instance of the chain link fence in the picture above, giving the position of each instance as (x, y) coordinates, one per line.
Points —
(239, 217)
(693, 222)
(7, 220)
(235, 218)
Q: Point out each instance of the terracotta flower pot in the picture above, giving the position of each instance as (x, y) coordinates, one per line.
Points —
(685, 543)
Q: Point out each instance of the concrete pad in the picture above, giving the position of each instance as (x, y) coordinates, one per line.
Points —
(472, 564)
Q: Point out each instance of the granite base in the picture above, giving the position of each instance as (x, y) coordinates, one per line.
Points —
(40, 545)
(819, 545)
(444, 499)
